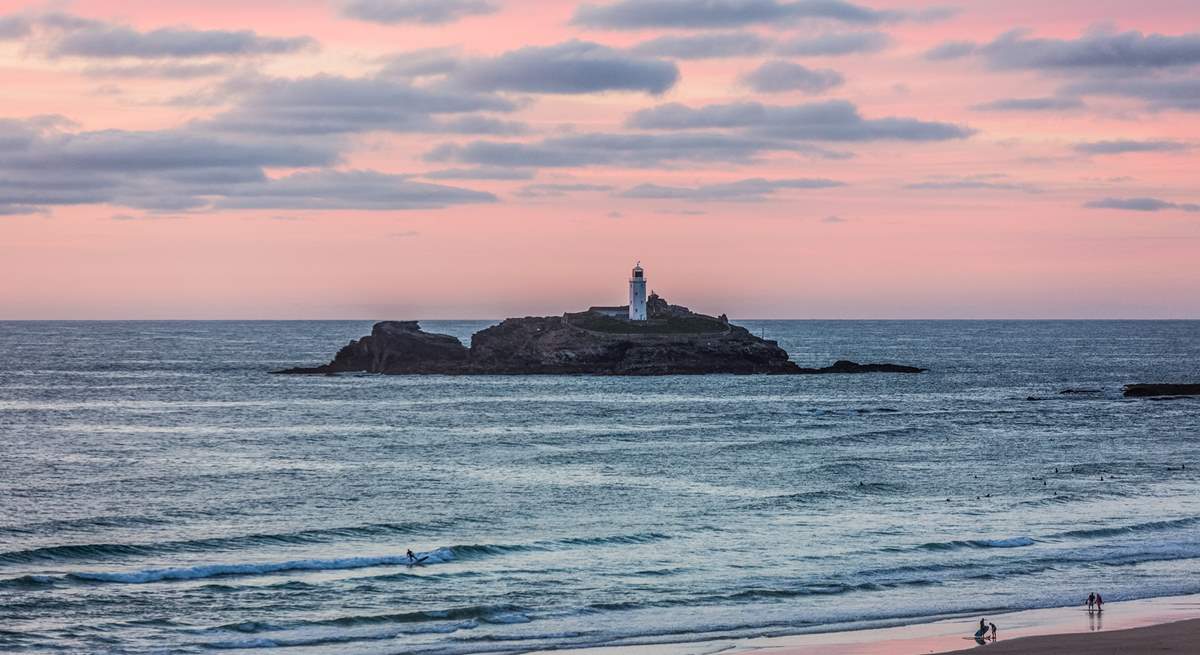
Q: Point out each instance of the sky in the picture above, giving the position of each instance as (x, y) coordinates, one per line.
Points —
(425, 159)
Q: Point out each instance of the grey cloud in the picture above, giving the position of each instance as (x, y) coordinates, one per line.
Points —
(1121, 146)
(599, 149)
(951, 50)
(833, 220)
(481, 173)
(18, 210)
(749, 190)
(642, 14)
(826, 45)
(174, 71)
(978, 182)
(778, 76)
(330, 104)
(1158, 93)
(1141, 205)
(118, 151)
(1127, 50)
(1051, 103)
(558, 190)
(14, 27)
(329, 189)
(420, 63)
(192, 169)
(98, 40)
(473, 124)
(704, 46)
(431, 12)
(834, 120)
(570, 67)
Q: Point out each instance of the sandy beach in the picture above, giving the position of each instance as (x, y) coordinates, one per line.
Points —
(1154, 625)
(1175, 637)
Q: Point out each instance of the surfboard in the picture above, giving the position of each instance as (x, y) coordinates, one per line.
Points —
(418, 560)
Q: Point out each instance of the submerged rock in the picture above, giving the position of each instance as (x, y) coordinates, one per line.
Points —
(673, 341)
(1149, 390)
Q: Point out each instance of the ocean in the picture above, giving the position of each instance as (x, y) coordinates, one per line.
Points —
(161, 492)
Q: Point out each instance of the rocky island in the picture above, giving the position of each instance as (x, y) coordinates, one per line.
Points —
(670, 340)
(1160, 390)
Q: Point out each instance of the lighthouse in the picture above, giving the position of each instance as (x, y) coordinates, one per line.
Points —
(637, 294)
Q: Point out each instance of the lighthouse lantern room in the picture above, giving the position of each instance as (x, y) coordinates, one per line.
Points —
(637, 294)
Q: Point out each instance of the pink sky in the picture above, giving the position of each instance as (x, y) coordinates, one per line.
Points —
(163, 190)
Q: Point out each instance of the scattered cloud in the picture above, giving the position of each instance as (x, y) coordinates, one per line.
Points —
(609, 149)
(1096, 50)
(704, 46)
(189, 169)
(1158, 92)
(558, 190)
(429, 12)
(975, 182)
(833, 220)
(833, 44)
(71, 36)
(1049, 103)
(951, 50)
(749, 190)
(420, 63)
(332, 104)
(1122, 146)
(330, 189)
(14, 27)
(834, 120)
(568, 68)
(1141, 205)
(481, 173)
(777, 76)
(168, 70)
(688, 14)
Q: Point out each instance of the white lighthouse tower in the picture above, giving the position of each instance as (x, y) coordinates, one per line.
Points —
(637, 294)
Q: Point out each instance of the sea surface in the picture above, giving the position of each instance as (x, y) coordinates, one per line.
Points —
(160, 492)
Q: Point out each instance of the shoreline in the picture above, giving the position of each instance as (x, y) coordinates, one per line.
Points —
(1157, 621)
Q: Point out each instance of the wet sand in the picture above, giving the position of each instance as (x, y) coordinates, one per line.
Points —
(1166, 638)
(1154, 625)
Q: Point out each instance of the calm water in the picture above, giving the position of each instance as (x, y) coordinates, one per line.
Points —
(159, 492)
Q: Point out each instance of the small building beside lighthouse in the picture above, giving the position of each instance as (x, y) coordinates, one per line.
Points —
(637, 294)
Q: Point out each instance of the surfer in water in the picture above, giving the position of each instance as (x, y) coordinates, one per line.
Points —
(411, 558)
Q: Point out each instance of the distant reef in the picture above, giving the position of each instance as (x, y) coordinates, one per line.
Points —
(1155, 390)
(673, 341)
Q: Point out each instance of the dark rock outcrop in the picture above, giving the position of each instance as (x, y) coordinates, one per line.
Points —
(674, 341)
(1151, 390)
(396, 347)
(844, 366)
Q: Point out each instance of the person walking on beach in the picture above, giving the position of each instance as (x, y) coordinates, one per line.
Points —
(1099, 603)
(993, 627)
(1091, 601)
